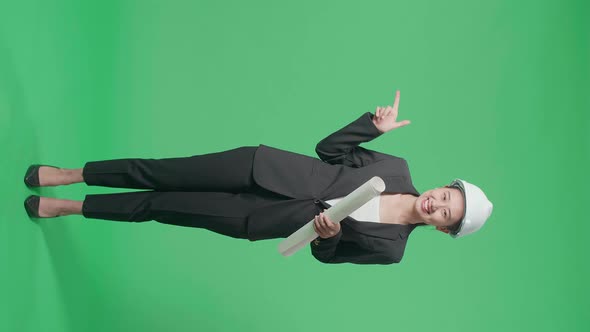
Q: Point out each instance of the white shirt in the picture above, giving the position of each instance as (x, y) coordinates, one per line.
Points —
(368, 212)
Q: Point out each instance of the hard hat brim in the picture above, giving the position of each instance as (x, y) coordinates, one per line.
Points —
(458, 183)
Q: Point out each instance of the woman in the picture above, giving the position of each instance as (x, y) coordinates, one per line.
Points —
(263, 192)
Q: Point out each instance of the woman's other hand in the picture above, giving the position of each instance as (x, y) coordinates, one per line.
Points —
(325, 227)
(385, 117)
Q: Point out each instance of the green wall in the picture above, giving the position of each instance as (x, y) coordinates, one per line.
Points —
(497, 92)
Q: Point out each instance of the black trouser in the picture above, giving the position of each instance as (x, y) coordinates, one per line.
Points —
(215, 191)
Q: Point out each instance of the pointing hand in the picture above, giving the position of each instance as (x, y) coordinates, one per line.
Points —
(385, 117)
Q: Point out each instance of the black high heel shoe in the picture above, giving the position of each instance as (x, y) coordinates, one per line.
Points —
(32, 175)
(32, 206)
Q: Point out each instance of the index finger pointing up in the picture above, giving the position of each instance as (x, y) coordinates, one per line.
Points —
(396, 102)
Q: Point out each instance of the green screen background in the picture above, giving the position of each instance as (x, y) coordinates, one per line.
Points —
(497, 92)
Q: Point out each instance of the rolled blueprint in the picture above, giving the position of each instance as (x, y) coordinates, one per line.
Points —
(360, 196)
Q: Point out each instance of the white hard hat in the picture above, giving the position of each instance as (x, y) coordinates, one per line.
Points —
(477, 208)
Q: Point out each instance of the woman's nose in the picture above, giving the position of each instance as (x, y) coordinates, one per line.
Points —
(436, 205)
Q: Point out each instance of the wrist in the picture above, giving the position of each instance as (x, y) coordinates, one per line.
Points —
(333, 236)
(376, 127)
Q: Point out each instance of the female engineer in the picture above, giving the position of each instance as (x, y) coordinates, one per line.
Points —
(262, 192)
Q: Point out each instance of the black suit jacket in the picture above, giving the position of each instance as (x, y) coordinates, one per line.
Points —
(344, 166)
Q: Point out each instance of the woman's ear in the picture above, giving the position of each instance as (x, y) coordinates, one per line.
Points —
(442, 229)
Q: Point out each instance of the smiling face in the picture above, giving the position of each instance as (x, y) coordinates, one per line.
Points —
(441, 207)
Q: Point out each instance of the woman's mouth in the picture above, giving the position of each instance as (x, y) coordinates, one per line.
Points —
(425, 206)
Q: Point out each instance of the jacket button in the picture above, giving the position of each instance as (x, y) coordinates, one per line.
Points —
(316, 201)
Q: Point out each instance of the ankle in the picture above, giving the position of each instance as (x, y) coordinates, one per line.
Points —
(72, 175)
(70, 207)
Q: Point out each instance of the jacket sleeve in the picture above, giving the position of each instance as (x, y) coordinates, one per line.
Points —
(341, 147)
(332, 250)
